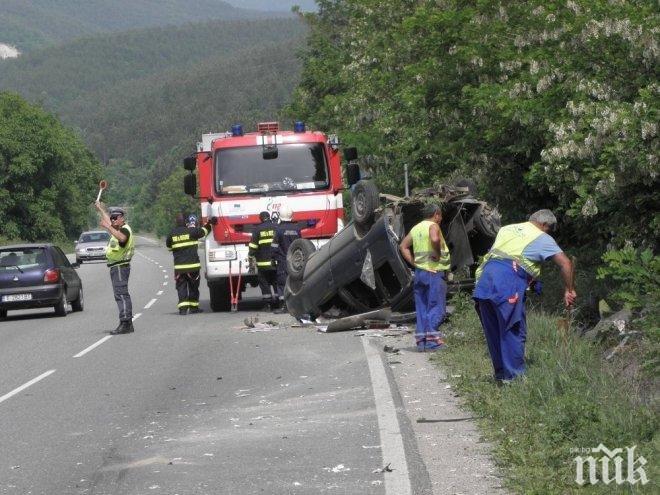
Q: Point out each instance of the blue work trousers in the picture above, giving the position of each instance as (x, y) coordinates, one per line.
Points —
(430, 290)
(505, 345)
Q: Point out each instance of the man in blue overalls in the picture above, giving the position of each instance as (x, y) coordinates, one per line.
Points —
(432, 262)
(511, 265)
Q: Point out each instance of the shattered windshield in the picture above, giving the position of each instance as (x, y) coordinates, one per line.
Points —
(299, 166)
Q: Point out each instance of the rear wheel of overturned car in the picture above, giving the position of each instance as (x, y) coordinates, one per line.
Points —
(220, 296)
(364, 201)
(78, 304)
(486, 221)
(297, 256)
(3, 313)
(60, 307)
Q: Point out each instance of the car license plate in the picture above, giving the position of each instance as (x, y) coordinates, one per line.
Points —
(17, 297)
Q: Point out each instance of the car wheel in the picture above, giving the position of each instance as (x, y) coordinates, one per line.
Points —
(78, 304)
(486, 222)
(3, 313)
(60, 307)
(79, 261)
(364, 201)
(297, 256)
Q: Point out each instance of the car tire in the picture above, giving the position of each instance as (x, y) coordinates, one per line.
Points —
(296, 257)
(79, 261)
(60, 307)
(364, 201)
(220, 296)
(78, 304)
(3, 313)
(485, 222)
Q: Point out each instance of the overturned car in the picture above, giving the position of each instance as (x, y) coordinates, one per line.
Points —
(361, 269)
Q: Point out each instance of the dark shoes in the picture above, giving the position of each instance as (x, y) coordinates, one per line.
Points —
(196, 310)
(124, 327)
(183, 311)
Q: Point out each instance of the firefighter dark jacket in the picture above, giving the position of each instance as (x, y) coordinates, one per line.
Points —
(261, 245)
(182, 241)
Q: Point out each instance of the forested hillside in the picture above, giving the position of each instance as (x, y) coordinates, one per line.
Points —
(30, 24)
(46, 175)
(141, 99)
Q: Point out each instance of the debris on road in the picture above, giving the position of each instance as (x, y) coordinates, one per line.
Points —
(385, 469)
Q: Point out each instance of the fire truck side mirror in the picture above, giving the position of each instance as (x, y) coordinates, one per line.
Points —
(189, 163)
(352, 173)
(350, 154)
(190, 184)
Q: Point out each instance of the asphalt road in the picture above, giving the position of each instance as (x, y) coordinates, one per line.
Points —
(194, 404)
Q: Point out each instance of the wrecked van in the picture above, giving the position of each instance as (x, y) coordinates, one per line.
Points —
(361, 269)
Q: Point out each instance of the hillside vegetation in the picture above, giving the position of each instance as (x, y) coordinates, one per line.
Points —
(46, 174)
(141, 99)
(30, 24)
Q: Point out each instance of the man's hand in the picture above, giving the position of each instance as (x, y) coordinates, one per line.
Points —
(252, 264)
(569, 297)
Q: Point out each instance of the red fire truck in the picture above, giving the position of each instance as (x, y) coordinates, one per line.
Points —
(244, 173)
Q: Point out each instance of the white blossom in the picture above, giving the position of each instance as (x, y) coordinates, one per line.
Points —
(589, 209)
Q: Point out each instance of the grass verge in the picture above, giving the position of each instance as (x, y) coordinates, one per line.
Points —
(569, 399)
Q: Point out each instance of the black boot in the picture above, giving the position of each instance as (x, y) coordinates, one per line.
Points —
(196, 310)
(124, 327)
(183, 311)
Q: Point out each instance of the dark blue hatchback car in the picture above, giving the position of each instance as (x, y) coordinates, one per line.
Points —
(37, 276)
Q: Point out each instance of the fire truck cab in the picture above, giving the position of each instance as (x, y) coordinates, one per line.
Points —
(241, 174)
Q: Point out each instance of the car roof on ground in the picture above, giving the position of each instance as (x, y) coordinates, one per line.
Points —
(94, 232)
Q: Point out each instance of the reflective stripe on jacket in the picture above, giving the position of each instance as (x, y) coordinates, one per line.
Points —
(182, 241)
(261, 245)
(118, 255)
(425, 255)
(510, 243)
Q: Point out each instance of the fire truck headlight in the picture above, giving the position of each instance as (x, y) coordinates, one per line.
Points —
(222, 255)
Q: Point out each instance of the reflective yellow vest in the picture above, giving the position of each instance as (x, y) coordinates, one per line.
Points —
(117, 255)
(423, 249)
(510, 243)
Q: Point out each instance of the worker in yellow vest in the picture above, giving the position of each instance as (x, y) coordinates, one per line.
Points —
(432, 262)
(508, 269)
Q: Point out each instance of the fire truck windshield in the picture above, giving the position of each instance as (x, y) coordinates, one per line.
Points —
(297, 166)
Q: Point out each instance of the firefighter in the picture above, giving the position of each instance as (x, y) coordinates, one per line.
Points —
(285, 233)
(260, 248)
(511, 265)
(431, 262)
(182, 241)
(119, 253)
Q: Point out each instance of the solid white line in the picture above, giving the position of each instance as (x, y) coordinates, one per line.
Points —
(135, 317)
(159, 293)
(397, 481)
(26, 385)
(85, 351)
(150, 303)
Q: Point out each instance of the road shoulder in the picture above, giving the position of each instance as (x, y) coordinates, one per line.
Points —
(458, 461)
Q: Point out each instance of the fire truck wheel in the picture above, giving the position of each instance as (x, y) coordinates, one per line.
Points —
(364, 201)
(297, 256)
(220, 296)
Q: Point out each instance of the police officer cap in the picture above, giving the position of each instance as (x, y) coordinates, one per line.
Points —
(117, 211)
(192, 219)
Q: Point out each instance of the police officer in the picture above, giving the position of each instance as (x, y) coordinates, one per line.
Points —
(119, 253)
(285, 233)
(431, 262)
(260, 248)
(182, 241)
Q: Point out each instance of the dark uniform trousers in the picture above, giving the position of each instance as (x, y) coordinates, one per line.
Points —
(260, 248)
(119, 276)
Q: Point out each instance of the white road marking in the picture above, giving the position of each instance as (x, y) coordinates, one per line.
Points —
(397, 481)
(93, 346)
(164, 271)
(166, 276)
(150, 303)
(135, 317)
(26, 385)
(164, 283)
(159, 293)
